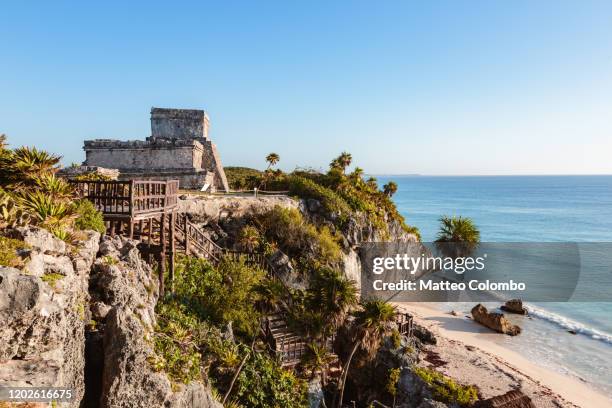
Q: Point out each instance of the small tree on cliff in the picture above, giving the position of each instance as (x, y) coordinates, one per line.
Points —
(341, 162)
(333, 295)
(390, 188)
(372, 323)
(458, 236)
(272, 159)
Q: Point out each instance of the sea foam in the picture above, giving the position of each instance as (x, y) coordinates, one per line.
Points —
(569, 324)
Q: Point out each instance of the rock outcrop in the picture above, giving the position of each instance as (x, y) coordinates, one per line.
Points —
(43, 313)
(126, 287)
(514, 306)
(494, 321)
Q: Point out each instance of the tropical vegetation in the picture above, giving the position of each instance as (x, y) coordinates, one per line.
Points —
(31, 193)
(342, 194)
(458, 236)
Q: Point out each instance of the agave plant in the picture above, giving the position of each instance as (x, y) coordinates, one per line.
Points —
(45, 209)
(56, 187)
(11, 215)
(24, 164)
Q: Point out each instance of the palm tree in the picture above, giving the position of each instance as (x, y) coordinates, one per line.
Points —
(372, 183)
(333, 295)
(249, 238)
(357, 174)
(272, 159)
(271, 295)
(372, 322)
(390, 188)
(458, 236)
(317, 359)
(341, 162)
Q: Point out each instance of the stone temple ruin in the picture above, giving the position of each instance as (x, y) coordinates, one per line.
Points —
(179, 148)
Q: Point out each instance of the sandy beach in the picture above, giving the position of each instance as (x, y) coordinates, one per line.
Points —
(467, 352)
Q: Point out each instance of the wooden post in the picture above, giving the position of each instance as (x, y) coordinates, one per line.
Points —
(171, 227)
(186, 236)
(162, 253)
(150, 238)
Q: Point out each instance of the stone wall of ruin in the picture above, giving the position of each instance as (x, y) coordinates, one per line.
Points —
(133, 155)
(179, 123)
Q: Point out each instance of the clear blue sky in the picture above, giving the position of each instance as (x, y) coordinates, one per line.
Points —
(456, 87)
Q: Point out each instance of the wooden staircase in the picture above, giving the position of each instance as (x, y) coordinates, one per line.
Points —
(288, 346)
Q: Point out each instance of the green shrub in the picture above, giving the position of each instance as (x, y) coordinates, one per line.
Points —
(299, 239)
(88, 217)
(51, 278)
(176, 352)
(263, 383)
(445, 389)
(330, 200)
(223, 294)
(396, 338)
(240, 178)
(9, 252)
(93, 176)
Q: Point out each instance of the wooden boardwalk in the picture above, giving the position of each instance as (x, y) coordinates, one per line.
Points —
(147, 210)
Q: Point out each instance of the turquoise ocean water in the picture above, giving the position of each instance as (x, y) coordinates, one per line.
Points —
(531, 209)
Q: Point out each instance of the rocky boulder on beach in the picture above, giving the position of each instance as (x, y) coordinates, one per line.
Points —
(494, 321)
(514, 306)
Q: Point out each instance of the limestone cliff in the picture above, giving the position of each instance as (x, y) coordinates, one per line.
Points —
(82, 317)
(124, 294)
(43, 312)
(224, 216)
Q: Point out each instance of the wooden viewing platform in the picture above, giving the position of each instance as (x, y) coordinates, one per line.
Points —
(147, 210)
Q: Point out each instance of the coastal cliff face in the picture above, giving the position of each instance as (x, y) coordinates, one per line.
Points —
(82, 317)
(43, 312)
(224, 216)
(125, 289)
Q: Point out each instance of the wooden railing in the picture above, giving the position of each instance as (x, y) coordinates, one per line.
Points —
(257, 259)
(129, 198)
(192, 235)
(405, 324)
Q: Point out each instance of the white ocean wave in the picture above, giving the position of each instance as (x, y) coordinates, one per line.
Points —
(569, 324)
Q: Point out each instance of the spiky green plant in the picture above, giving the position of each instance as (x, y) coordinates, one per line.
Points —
(317, 360)
(44, 208)
(27, 163)
(56, 187)
(249, 238)
(333, 295)
(271, 295)
(458, 236)
(11, 215)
